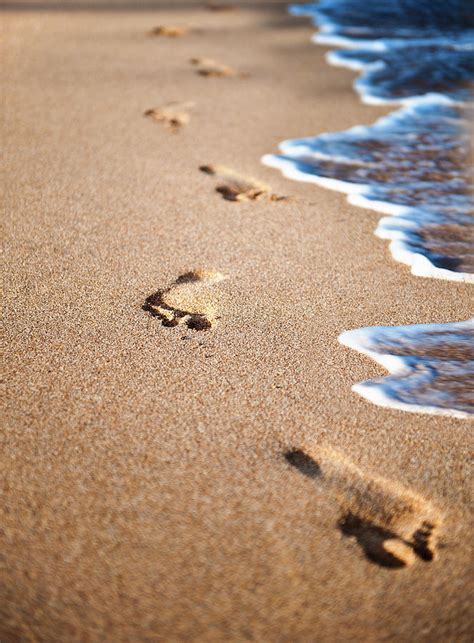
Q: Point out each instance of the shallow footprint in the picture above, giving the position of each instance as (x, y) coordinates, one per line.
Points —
(189, 300)
(218, 6)
(169, 31)
(393, 525)
(173, 115)
(237, 187)
(211, 68)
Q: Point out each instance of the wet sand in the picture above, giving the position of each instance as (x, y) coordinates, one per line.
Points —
(149, 494)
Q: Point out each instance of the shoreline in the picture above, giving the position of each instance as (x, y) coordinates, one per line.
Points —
(148, 486)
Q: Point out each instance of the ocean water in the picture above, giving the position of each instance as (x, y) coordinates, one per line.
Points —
(415, 166)
(431, 366)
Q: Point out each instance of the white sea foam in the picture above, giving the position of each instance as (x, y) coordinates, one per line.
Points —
(326, 158)
(411, 166)
(421, 378)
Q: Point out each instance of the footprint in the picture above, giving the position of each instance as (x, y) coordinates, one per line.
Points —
(393, 525)
(209, 67)
(187, 301)
(172, 115)
(218, 6)
(239, 188)
(170, 31)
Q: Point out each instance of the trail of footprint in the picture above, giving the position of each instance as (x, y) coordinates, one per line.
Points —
(237, 187)
(170, 31)
(211, 68)
(189, 300)
(393, 525)
(173, 115)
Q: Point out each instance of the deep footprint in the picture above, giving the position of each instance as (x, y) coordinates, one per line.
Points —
(393, 525)
(236, 187)
(189, 300)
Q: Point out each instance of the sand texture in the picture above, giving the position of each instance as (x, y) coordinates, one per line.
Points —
(183, 458)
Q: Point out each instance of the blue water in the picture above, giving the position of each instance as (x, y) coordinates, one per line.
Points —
(405, 48)
(414, 165)
(431, 366)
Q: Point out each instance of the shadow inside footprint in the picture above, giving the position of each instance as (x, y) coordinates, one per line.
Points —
(421, 542)
(304, 463)
(372, 539)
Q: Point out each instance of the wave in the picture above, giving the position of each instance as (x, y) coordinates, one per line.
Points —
(431, 366)
(415, 166)
(392, 167)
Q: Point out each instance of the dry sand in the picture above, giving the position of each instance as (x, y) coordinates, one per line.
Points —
(148, 497)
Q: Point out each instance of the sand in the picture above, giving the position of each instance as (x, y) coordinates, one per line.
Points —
(148, 494)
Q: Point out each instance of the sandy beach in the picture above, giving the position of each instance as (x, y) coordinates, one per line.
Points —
(152, 487)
